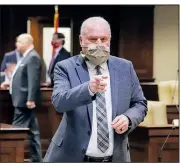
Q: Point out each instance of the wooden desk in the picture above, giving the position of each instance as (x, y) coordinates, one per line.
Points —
(172, 113)
(48, 118)
(12, 141)
(146, 142)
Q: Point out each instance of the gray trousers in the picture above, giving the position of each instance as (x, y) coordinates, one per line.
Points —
(24, 117)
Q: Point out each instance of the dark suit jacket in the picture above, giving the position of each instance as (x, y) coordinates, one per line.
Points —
(26, 81)
(72, 98)
(62, 55)
(9, 57)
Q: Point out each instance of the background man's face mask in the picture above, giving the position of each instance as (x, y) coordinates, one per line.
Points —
(97, 54)
(54, 44)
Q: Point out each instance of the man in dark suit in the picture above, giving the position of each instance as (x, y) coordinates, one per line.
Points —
(10, 57)
(25, 92)
(60, 53)
(9, 62)
(101, 100)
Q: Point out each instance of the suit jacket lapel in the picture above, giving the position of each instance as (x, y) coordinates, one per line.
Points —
(57, 56)
(82, 71)
(113, 83)
(57, 59)
(19, 63)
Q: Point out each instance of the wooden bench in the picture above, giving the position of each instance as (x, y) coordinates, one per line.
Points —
(12, 140)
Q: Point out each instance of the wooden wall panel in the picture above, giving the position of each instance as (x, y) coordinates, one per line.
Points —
(37, 35)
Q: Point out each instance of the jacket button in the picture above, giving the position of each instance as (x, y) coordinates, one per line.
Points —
(84, 150)
(89, 132)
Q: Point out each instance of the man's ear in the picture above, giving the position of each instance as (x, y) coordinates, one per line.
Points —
(80, 40)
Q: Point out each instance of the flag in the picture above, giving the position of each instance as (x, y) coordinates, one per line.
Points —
(56, 19)
(56, 25)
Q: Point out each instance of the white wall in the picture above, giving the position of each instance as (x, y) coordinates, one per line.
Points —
(47, 47)
(166, 42)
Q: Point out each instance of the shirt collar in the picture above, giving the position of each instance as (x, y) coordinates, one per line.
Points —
(92, 66)
(104, 66)
(27, 51)
(58, 49)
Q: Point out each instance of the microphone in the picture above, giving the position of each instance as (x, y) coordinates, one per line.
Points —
(175, 123)
(177, 107)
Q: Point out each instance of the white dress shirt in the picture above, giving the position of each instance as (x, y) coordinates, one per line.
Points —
(17, 66)
(57, 51)
(92, 149)
(17, 56)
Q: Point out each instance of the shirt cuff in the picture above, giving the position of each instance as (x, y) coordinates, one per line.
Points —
(91, 93)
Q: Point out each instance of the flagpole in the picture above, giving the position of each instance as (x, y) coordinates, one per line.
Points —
(56, 24)
(56, 18)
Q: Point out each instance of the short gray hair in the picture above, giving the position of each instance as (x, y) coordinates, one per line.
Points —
(94, 19)
(26, 38)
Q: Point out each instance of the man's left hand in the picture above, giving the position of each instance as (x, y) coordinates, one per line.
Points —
(31, 104)
(120, 124)
(10, 67)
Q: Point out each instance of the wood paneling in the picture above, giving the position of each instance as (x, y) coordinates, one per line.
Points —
(37, 35)
(12, 142)
(146, 142)
(48, 118)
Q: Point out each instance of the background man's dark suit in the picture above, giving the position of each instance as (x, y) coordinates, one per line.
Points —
(62, 55)
(9, 57)
(26, 87)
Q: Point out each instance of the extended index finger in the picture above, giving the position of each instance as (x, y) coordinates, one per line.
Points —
(104, 77)
(98, 79)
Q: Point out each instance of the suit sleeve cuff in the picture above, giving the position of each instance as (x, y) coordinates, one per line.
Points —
(91, 93)
(130, 122)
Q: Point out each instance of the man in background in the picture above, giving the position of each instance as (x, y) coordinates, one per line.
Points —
(25, 92)
(59, 54)
(8, 64)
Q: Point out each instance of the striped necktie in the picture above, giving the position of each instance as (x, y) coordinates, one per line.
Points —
(102, 122)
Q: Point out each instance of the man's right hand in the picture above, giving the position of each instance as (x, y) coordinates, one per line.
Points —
(10, 67)
(98, 84)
